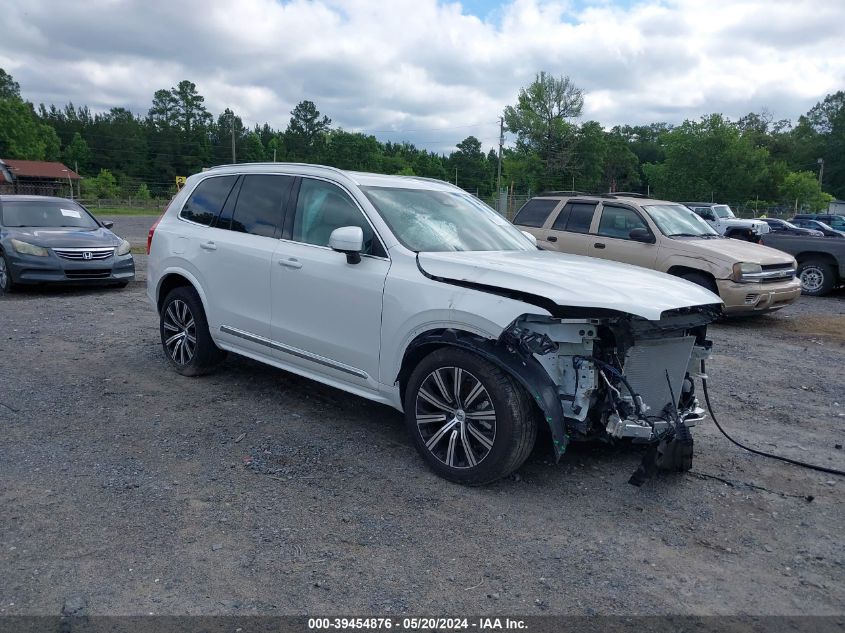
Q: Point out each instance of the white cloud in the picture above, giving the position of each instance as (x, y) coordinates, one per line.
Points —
(427, 65)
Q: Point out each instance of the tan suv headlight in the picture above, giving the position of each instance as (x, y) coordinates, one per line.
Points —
(25, 248)
(746, 271)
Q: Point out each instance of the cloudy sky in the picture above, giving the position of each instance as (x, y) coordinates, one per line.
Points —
(430, 71)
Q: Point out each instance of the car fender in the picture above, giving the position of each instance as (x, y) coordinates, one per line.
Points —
(719, 269)
(173, 268)
(440, 306)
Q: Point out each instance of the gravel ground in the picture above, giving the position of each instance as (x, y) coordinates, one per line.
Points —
(132, 490)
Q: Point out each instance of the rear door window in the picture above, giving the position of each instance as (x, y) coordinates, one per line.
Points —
(207, 199)
(576, 217)
(258, 210)
(535, 212)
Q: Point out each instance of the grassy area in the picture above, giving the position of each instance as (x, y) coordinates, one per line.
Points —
(125, 210)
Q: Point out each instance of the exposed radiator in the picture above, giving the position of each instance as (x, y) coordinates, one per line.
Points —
(646, 364)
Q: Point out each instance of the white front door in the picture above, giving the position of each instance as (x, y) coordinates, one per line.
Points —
(326, 312)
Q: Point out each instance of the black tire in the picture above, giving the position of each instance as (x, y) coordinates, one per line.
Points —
(702, 280)
(514, 422)
(7, 284)
(121, 284)
(817, 277)
(182, 313)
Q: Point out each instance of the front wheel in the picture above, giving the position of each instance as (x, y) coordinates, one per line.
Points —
(702, 280)
(7, 284)
(468, 418)
(184, 334)
(817, 277)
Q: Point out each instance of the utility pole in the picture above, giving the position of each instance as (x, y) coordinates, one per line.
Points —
(499, 177)
(234, 160)
(821, 171)
(274, 155)
(78, 182)
(456, 176)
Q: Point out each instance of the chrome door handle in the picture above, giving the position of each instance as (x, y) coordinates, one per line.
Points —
(209, 246)
(290, 263)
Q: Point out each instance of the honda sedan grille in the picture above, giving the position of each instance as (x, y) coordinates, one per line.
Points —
(84, 254)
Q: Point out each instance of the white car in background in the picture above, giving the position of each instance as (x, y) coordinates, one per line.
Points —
(723, 220)
(413, 293)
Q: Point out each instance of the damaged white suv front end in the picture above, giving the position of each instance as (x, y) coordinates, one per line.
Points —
(614, 356)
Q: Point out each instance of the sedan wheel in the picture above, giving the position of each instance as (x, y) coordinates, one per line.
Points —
(469, 419)
(455, 417)
(6, 283)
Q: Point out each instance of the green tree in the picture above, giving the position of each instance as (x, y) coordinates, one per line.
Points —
(103, 185)
(252, 150)
(621, 166)
(588, 166)
(351, 150)
(22, 135)
(77, 154)
(542, 119)
(305, 134)
(9, 88)
(471, 165)
(827, 121)
(708, 159)
(143, 192)
(801, 189)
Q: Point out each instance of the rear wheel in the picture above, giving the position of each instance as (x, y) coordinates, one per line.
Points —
(184, 334)
(7, 284)
(468, 419)
(817, 277)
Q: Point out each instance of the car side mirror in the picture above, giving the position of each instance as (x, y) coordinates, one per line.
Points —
(641, 235)
(348, 240)
(108, 224)
(530, 237)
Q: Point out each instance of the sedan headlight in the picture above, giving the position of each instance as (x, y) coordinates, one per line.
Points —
(25, 248)
(122, 248)
(746, 271)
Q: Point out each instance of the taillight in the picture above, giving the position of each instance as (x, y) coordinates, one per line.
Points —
(153, 230)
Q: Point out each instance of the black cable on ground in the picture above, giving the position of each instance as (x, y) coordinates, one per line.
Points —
(822, 469)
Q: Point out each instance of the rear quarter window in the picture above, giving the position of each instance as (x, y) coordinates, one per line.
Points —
(535, 212)
(207, 199)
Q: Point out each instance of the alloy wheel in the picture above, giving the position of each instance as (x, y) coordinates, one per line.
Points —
(180, 331)
(455, 417)
(812, 279)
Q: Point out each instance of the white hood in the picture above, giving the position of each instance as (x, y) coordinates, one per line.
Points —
(571, 280)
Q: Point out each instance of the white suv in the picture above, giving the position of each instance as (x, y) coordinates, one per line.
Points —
(411, 292)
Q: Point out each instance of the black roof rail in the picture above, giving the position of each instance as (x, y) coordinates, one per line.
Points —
(562, 193)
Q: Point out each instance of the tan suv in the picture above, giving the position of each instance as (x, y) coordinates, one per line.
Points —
(664, 236)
